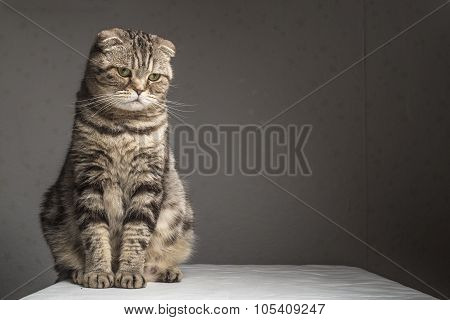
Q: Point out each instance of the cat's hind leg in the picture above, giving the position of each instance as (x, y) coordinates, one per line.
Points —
(163, 259)
(163, 274)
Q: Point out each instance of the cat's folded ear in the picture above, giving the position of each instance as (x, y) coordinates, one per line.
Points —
(167, 47)
(107, 39)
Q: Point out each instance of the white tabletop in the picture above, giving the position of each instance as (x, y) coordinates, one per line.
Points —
(251, 282)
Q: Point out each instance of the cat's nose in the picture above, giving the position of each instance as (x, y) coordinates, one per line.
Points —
(138, 91)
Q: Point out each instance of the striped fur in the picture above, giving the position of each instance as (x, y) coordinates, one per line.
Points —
(118, 213)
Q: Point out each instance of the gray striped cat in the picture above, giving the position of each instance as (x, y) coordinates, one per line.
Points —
(118, 213)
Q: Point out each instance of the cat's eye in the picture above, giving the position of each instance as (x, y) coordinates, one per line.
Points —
(154, 76)
(124, 72)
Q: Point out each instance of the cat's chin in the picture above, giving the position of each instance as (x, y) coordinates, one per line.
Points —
(132, 106)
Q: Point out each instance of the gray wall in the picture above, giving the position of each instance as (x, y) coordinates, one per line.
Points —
(378, 149)
(408, 134)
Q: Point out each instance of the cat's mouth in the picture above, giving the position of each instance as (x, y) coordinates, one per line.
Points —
(134, 105)
(138, 104)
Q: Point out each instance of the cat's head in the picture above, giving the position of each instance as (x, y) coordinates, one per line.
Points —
(129, 70)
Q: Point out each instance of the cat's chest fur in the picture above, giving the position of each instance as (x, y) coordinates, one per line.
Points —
(123, 151)
(130, 156)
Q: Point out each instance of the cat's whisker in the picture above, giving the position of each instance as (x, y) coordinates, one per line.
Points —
(173, 102)
(95, 97)
(99, 106)
(105, 106)
(172, 108)
(158, 104)
(87, 101)
(175, 114)
(178, 118)
(97, 103)
(179, 103)
(93, 103)
(180, 108)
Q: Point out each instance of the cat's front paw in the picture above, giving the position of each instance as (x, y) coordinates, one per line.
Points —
(98, 279)
(77, 277)
(130, 280)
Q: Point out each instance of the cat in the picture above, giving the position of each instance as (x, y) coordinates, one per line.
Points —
(118, 214)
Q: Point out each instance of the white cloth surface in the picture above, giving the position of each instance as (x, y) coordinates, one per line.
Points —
(251, 282)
